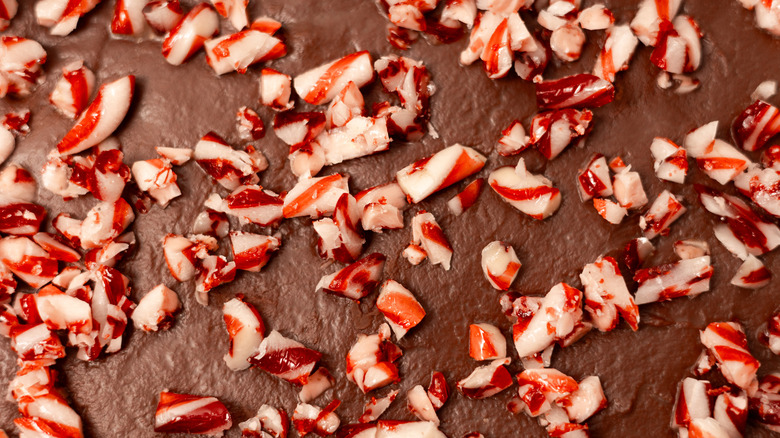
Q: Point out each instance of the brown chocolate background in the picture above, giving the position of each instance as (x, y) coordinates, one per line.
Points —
(174, 106)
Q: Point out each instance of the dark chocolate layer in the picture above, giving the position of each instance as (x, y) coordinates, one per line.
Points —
(116, 395)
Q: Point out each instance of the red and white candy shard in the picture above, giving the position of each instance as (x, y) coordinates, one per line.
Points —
(177, 156)
(269, 422)
(275, 90)
(35, 342)
(532, 194)
(442, 169)
(513, 140)
(671, 161)
(319, 382)
(756, 125)
(285, 358)
(370, 361)
(727, 343)
(357, 280)
(557, 317)
(315, 197)
(238, 51)
(494, 39)
(466, 198)
(400, 308)
(182, 255)
(553, 131)
(381, 207)
(530, 65)
(607, 296)
(414, 254)
(347, 105)
(487, 380)
(17, 122)
(21, 62)
(155, 311)
(105, 222)
(558, 13)
(761, 185)
(185, 413)
(464, 11)
(652, 14)
(250, 125)
(8, 9)
(163, 15)
(486, 342)
(57, 247)
(312, 419)
(298, 130)
(628, 190)
(28, 261)
(767, 17)
(693, 402)
(744, 231)
(215, 271)
(234, 11)
(566, 41)
(101, 118)
(679, 47)
(662, 213)
(718, 159)
(577, 91)
(7, 143)
(500, 264)
(611, 211)
(377, 406)
(56, 177)
(72, 91)
(252, 251)
(229, 167)
(246, 330)
(60, 311)
(690, 249)
(594, 181)
(45, 412)
(360, 136)
(771, 333)
(731, 412)
(438, 391)
(62, 16)
(595, 17)
(20, 217)
(250, 204)
(156, 177)
(409, 80)
(586, 401)
(189, 34)
(616, 53)
(542, 388)
(7, 289)
(752, 274)
(339, 238)
(683, 278)
(764, 404)
(418, 403)
(321, 84)
(211, 223)
(128, 18)
(427, 234)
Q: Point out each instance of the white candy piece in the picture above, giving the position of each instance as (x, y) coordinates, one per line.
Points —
(718, 159)
(246, 333)
(156, 309)
(500, 264)
(532, 194)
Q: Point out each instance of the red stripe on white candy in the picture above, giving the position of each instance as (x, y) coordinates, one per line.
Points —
(532, 194)
(486, 342)
(375, 407)
(513, 140)
(47, 414)
(21, 62)
(321, 84)
(250, 204)
(275, 90)
(727, 343)
(72, 91)
(500, 264)
(683, 278)
(671, 160)
(156, 310)
(756, 125)
(487, 380)
(252, 251)
(285, 358)
(234, 11)
(418, 403)
(229, 167)
(557, 317)
(250, 125)
(315, 197)
(185, 413)
(347, 105)
(163, 15)
(268, 420)
(357, 280)
(679, 46)
(409, 80)
(35, 342)
(60, 311)
(718, 159)
(541, 388)
(442, 169)
(28, 261)
(762, 186)
(400, 308)
(312, 419)
(494, 39)
(319, 382)
(662, 213)
(8, 9)
(611, 211)
(427, 234)
(594, 181)
(693, 402)
(62, 16)
(214, 271)
(381, 207)
(241, 50)
(101, 118)
(466, 198)
(553, 131)
(616, 53)
(607, 296)
(19, 217)
(128, 17)
(651, 15)
(105, 222)
(246, 330)
(370, 360)
(157, 177)
(752, 274)
(16, 182)
(189, 34)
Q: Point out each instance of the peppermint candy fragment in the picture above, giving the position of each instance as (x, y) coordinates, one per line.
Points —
(245, 329)
(239, 51)
(156, 310)
(427, 234)
(321, 84)
(357, 280)
(718, 159)
(185, 413)
(689, 278)
(607, 296)
(500, 264)
(487, 380)
(72, 91)
(442, 169)
(727, 343)
(662, 213)
(190, 33)
(532, 194)
(370, 361)
(553, 131)
(285, 358)
(400, 308)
